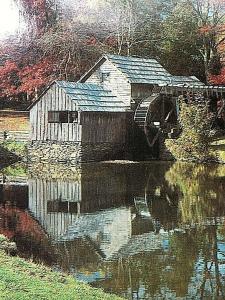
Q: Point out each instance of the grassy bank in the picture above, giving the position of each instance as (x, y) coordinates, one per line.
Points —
(12, 151)
(18, 148)
(23, 280)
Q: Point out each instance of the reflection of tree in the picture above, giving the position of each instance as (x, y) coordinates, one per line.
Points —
(212, 282)
(201, 190)
(202, 197)
(138, 276)
(30, 238)
(183, 254)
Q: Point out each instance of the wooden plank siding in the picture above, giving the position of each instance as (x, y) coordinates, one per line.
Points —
(54, 99)
(141, 91)
(116, 81)
(103, 127)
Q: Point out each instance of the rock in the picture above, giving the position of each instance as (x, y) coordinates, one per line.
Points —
(7, 246)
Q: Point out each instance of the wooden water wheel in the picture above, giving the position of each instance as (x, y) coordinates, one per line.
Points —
(156, 115)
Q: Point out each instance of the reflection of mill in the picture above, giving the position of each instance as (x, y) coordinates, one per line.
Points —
(101, 210)
(103, 204)
(104, 230)
(58, 206)
(107, 207)
(143, 204)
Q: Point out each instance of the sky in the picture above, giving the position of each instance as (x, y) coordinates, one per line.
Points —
(9, 19)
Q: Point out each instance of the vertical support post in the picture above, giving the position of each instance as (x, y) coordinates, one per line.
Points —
(163, 109)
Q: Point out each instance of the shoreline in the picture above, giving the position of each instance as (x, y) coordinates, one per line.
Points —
(22, 279)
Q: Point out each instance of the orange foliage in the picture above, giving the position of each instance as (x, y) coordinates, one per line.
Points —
(36, 76)
(218, 79)
(23, 224)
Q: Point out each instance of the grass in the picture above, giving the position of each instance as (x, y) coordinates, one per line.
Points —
(17, 169)
(18, 148)
(24, 280)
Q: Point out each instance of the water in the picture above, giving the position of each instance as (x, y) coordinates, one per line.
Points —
(142, 231)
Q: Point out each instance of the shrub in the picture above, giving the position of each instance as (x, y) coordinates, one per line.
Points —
(194, 140)
(18, 148)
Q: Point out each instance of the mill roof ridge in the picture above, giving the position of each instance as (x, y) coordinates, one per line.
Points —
(131, 58)
(140, 70)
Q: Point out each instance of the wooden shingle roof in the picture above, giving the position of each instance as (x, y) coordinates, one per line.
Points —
(88, 97)
(187, 81)
(142, 70)
(91, 97)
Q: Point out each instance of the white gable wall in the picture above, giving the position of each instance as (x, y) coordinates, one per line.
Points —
(116, 82)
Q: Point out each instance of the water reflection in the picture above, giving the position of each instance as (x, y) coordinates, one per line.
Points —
(144, 231)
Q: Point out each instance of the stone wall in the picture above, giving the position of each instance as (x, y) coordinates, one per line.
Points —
(72, 152)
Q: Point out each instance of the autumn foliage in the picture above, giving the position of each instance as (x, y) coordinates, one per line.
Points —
(62, 42)
(218, 79)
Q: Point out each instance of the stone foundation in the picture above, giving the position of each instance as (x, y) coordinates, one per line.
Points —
(72, 152)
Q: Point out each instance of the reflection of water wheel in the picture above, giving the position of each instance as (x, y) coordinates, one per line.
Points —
(154, 115)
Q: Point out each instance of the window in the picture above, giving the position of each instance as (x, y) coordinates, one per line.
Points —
(53, 117)
(62, 116)
(105, 76)
(73, 116)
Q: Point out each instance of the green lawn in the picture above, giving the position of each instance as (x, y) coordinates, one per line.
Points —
(23, 280)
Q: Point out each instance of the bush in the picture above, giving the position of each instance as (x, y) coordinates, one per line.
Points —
(18, 148)
(194, 141)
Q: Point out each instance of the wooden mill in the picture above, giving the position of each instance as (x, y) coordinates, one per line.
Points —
(122, 104)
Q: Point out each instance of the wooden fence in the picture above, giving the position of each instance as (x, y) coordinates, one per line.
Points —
(18, 136)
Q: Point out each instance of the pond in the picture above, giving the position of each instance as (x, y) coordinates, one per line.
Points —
(140, 230)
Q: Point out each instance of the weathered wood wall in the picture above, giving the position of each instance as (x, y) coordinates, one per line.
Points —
(92, 127)
(53, 100)
(141, 91)
(103, 127)
(116, 81)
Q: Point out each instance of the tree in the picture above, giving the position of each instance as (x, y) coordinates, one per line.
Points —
(181, 43)
(64, 39)
(136, 24)
(211, 22)
(39, 15)
(194, 141)
(218, 79)
(9, 78)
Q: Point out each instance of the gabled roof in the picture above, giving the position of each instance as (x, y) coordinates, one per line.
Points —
(90, 97)
(142, 70)
(187, 81)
